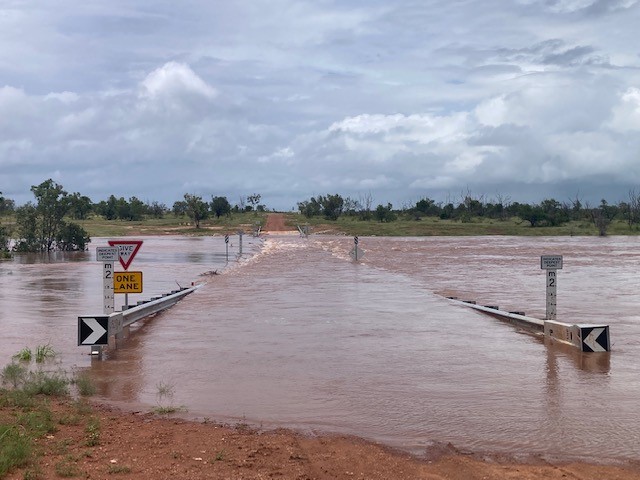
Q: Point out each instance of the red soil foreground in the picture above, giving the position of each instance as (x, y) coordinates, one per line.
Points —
(144, 446)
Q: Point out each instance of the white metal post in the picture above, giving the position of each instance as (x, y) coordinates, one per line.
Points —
(551, 263)
(107, 288)
(108, 256)
(552, 286)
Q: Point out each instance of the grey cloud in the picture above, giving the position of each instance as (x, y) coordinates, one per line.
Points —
(227, 98)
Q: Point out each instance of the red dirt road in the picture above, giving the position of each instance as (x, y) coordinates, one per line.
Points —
(275, 223)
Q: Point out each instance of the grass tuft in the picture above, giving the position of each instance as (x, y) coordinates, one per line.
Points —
(14, 374)
(84, 384)
(15, 449)
(67, 467)
(93, 432)
(24, 355)
(44, 353)
(47, 383)
(114, 469)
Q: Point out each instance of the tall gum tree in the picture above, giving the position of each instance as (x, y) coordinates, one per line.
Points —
(52, 204)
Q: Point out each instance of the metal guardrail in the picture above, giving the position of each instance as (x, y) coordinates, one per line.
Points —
(153, 306)
(586, 337)
(102, 330)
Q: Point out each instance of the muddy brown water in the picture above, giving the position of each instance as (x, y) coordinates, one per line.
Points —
(295, 334)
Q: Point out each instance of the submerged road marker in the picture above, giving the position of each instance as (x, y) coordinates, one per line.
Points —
(551, 263)
(588, 338)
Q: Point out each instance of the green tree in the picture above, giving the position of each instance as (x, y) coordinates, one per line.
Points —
(254, 200)
(27, 228)
(310, 208)
(385, 214)
(220, 206)
(179, 208)
(196, 209)
(156, 209)
(52, 204)
(107, 208)
(531, 213)
(5, 237)
(137, 209)
(554, 212)
(428, 207)
(72, 237)
(79, 206)
(4, 232)
(331, 206)
(6, 205)
(602, 216)
(40, 225)
(123, 209)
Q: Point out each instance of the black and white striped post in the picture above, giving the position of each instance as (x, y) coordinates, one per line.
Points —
(226, 244)
(356, 253)
(355, 246)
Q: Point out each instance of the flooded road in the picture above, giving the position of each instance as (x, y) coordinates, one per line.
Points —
(298, 335)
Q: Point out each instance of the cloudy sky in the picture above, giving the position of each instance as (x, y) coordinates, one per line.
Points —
(399, 99)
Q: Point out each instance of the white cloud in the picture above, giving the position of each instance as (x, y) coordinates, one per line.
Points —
(626, 114)
(175, 79)
(295, 97)
(492, 112)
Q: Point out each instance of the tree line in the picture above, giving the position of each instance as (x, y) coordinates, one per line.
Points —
(549, 212)
(42, 225)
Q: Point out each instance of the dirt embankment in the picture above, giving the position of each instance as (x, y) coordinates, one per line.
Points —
(142, 446)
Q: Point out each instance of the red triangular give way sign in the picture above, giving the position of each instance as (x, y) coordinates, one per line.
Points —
(127, 249)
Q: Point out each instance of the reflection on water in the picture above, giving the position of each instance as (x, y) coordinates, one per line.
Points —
(299, 335)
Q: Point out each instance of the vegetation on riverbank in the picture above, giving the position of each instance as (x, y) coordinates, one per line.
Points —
(29, 383)
(62, 221)
(433, 226)
(97, 226)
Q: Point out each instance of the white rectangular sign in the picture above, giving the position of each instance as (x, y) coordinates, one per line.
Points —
(551, 262)
(107, 254)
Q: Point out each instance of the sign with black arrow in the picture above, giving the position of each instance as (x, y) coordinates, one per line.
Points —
(595, 338)
(93, 330)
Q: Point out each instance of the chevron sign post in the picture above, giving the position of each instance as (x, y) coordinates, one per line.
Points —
(595, 338)
(93, 330)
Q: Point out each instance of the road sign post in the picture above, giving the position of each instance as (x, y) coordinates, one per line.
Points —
(93, 331)
(127, 250)
(356, 253)
(108, 256)
(551, 263)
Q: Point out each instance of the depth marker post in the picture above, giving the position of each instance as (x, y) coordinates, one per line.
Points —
(240, 233)
(551, 263)
(226, 244)
(108, 256)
